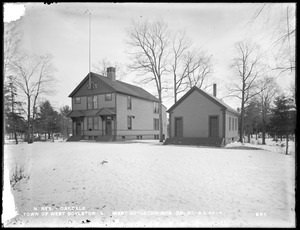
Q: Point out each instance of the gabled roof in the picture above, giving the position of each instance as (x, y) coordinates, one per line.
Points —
(75, 113)
(106, 111)
(208, 96)
(120, 87)
(82, 113)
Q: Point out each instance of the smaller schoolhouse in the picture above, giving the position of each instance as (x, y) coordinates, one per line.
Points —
(199, 118)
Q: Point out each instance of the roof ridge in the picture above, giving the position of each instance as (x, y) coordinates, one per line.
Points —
(217, 100)
(127, 88)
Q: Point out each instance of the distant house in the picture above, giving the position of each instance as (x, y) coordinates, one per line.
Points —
(202, 119)
(106, 109)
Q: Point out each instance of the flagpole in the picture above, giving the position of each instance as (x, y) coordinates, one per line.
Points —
(90, 51)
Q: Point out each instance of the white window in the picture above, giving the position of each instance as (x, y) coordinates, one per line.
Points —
(129, 122)
(95, 102)
(129, 104)
(77, 100)
(90, 123)
(108, 97)
(96, 122)
(155, 107)
(92, 102)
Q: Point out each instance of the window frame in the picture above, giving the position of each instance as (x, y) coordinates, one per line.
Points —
(155, 107)
(75, 100)
(155, 124)
(90, 124)
(95, 122)
(129, 122)
(89, 101)
(95, 102)
(129, 103)
(92, 100)
(105, 97)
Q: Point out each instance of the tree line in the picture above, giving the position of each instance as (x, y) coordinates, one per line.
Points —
(167, 59)
(27, 77)
(47, 122)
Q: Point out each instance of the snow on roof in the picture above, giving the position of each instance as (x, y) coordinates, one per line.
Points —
(207, 95)
(120, 87)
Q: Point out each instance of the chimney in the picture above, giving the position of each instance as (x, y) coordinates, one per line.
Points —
(215, 90)
(111, 73)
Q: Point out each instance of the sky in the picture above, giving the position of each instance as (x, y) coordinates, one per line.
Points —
(62, 29)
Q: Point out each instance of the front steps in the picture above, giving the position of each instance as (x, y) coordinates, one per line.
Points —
(214, 142)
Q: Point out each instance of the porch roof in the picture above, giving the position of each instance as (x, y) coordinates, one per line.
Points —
(106, 112)
(75, 113)
(86, 113)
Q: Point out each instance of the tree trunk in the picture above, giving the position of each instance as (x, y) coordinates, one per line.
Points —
(161, 139)
(175, 91)
(16, 138)
(67, 132)
(242, 125)
(249, 138)
(242, 114)
(263, 130)
(287, 144)
(29, 139)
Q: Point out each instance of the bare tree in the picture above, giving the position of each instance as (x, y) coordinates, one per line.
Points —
(11, 44)
(279, 24)
(247, 68)
(149, 43)
(101, 68)
(34, 77)
(190, 67)
(268, 89)
(180, 46)
(285, 42)
(200, 67)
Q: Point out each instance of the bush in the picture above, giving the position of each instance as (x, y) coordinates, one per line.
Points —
(18, 174)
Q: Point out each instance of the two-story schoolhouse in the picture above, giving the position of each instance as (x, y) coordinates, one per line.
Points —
(106, 109)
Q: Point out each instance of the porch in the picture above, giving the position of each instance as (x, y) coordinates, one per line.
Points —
(98, 125)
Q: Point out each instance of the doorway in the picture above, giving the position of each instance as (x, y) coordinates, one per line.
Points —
(78, 127)
(108, 126)
(213, 126)
(178, 127)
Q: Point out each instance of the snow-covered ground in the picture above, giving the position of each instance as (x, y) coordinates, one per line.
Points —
(144, 183)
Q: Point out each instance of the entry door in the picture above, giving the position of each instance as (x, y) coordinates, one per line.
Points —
(214, 126)
(108, 127)
(78, 127)
(178, 127)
